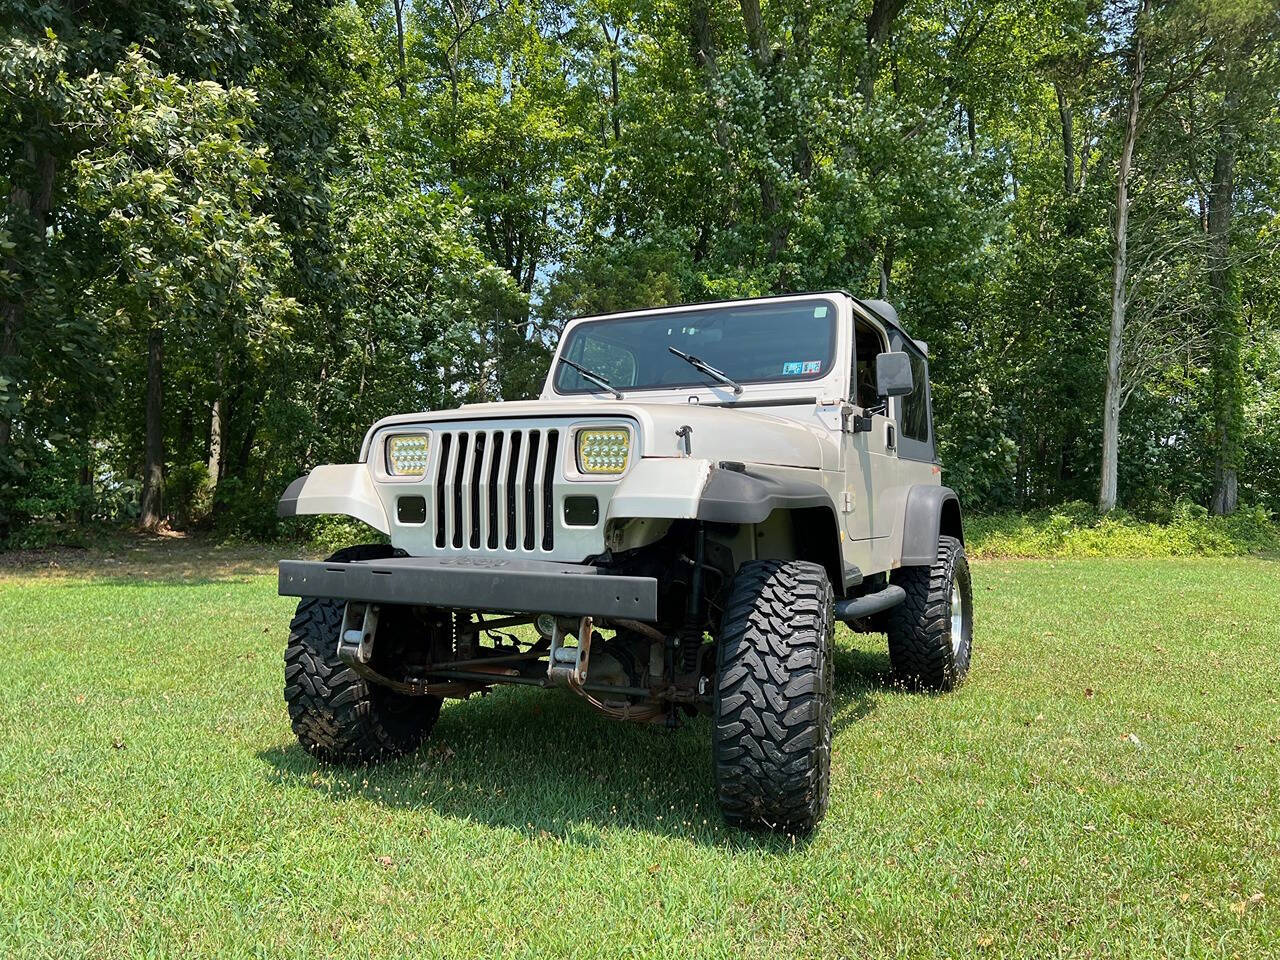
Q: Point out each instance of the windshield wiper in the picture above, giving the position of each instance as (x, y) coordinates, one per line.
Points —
(704, 367)
(595, 378)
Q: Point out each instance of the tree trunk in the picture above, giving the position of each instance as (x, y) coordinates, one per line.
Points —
(615, 118)
(85, 511)
(1119, 276)
(153, 468)
(1066, 118)
(702, 47)
(246, 442)
(886, 269)
(28, 209)
(615, 114)
(879, 24)
(400, 74)
(753, 24)
(770, 196)
(215, 443)
(701, 39)
(217, 428)
(320, 406)
(1228, 328)
(1020, 475)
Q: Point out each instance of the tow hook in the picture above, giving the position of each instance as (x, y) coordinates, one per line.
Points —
(355, 638)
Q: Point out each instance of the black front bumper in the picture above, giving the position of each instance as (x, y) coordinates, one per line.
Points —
(507, 585)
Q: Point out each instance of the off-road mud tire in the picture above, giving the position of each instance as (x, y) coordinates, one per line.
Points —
(920, 628)
(771, 743)
(337, 715)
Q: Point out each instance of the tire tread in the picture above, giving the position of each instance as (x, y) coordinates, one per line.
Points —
(772, 732)
(919, 628)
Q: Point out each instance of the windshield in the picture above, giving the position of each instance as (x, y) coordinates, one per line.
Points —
(754, 343)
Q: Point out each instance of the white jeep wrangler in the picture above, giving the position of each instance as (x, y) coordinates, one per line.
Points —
(697, 496)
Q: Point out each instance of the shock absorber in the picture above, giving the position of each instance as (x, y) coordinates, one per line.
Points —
(690, 636)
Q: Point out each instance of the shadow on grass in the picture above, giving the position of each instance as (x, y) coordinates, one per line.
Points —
(147, 580)
(544, 764)
(115, 559)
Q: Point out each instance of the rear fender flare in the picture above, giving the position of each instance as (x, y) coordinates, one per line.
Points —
(931, 512)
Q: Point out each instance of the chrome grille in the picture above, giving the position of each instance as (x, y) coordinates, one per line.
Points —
(493, 489)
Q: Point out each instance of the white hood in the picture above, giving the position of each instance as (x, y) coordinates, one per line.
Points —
(719, 433)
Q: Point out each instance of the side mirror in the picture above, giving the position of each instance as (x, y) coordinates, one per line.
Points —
(893, 375)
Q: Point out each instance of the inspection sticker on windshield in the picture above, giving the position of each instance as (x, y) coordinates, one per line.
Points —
(796, 368)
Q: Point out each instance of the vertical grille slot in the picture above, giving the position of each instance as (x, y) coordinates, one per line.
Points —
(492, 509)
(528, 478)
(513, 472)
(475, 468)
(548, 505)
(461, 458)
(441, 493)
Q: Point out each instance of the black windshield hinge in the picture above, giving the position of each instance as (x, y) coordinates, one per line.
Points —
(685, 433)
(855, 422)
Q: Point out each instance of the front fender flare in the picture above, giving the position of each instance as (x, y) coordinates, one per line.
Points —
(687, 488)
(663, 488)
(337, 488)
(736, 496)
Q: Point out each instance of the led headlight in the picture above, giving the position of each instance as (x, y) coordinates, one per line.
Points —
(407, 454)
(603, 451)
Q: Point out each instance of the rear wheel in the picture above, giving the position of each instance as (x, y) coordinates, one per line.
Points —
(336, 714)
(772, 736)
(931, 631)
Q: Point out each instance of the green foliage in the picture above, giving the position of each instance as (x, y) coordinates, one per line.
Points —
(1261, 453)
(55, 500)
(326, 230)
(326, 535)
(174, 185)
(189, 494)
(623, 275)
(243, 510)
(1078, 530)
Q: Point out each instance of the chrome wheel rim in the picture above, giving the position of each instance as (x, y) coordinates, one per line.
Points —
(957, 618)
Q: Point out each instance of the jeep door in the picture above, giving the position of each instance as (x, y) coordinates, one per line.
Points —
(869, 455)
(915, 451)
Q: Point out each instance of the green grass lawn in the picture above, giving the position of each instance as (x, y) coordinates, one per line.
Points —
(1106, 784)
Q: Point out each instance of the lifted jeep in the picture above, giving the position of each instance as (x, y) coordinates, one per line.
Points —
(696, 498)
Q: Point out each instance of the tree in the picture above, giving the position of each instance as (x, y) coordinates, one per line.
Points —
(232, 235)
(174, 184)
(1244, 38)
(1119, 271)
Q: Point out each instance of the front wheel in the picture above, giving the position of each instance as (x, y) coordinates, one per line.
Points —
(931, 631)
(336, 714)
(772, 736)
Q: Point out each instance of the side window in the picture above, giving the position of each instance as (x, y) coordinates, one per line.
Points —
(914, 422)
(868, 343)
